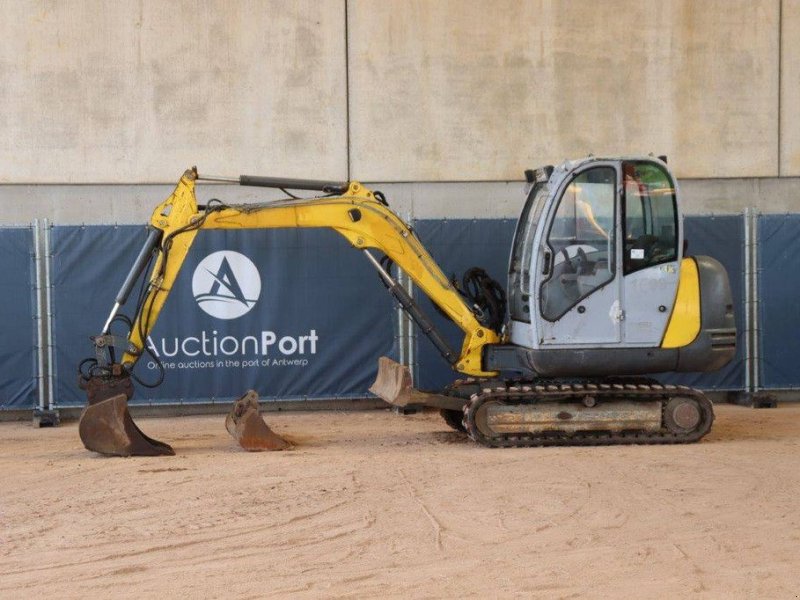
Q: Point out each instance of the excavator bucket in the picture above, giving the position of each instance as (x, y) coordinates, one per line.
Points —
(395, 386)
(393, 383)
(106, 427)
(245, 424)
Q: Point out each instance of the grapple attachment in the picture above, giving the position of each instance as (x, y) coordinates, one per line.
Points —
(245, 424)
(106, 425)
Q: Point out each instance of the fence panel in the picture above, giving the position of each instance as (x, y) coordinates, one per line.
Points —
(778, 293)
(18, 368)
(290, 313)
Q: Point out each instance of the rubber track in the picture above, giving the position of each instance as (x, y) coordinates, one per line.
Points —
(515, 393)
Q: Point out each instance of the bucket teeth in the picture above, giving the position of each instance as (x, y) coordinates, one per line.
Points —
(245, 424)
(107, 427)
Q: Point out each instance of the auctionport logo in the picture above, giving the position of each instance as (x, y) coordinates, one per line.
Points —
(226, 284)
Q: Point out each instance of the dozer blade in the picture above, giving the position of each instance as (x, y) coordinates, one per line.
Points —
(394, 385)
(247, 427)
(107, 427)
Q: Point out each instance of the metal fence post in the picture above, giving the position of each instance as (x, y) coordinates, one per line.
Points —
(753, 394)
(45, 414)
(37, 315)
(755, 317)
(400, 336)
(411, 335)
(748, 300)
(411, 330)
(48, 297)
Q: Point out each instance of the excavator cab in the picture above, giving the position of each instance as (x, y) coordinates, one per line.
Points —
(597, 272)
(572, 289)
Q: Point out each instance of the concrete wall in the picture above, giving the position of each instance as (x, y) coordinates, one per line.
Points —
(790, 88)
(479, 90)
(135, 91)
(422, 94)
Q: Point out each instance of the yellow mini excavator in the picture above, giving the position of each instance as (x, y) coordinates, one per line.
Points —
(600, 294)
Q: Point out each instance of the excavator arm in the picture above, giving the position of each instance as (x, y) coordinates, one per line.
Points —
(349, 208)
(357, 215)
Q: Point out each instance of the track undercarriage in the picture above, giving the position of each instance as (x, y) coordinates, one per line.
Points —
(557, 412)
(553, 412)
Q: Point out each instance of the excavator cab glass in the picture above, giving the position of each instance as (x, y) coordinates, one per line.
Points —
(650, 216)
(519, 268)
(582, 241)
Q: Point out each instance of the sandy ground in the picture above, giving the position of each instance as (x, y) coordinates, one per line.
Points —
(371, 504)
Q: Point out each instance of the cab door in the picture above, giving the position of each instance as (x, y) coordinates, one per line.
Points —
(651, 252)
(578, 283)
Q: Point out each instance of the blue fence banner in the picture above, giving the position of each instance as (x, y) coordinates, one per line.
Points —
(460, 244)
(18, 383)
(291, 313)
(778, 294)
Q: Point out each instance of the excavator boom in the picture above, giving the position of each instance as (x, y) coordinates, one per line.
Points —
(352, 210)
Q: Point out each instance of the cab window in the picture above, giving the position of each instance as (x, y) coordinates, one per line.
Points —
(581, 241)
(650, 216)
(519, 271)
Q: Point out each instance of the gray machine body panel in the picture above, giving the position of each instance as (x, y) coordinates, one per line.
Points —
(598, 324)
(713, 347)
(647, 299)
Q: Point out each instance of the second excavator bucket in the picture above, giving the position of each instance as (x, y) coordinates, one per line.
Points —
(393, 383)
(395, 386)
(106, 427)
(245, 424)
